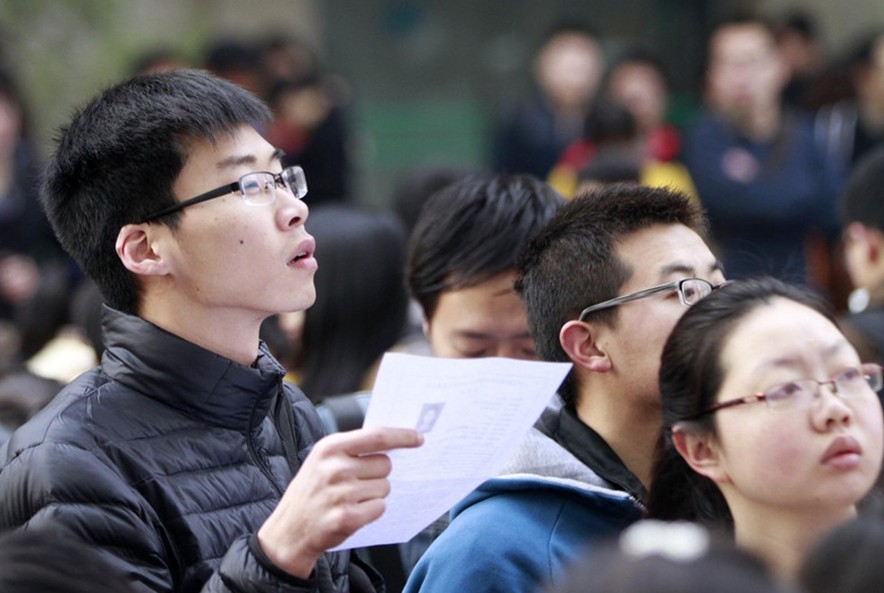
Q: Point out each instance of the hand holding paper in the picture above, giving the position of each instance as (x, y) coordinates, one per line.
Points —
(473, 414)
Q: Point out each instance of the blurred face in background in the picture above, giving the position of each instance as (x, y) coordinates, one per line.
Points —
(486, 319)
(569, 69)
(746, 72)
(641, 89)
(870, 81)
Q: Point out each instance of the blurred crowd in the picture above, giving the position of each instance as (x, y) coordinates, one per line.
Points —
(779, 129)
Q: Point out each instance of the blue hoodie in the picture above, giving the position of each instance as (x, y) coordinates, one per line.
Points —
(522, 529)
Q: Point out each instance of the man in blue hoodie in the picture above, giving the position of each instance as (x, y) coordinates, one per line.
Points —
(603, 283)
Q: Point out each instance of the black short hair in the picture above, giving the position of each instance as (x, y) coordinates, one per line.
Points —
(415, 187)
(572, 262)
(473, 230)
(117, 160)
(230, 55)
(861, 52)
(862, 197)
(609, 122)
(798, 21)
(569, 26)
(610, 166)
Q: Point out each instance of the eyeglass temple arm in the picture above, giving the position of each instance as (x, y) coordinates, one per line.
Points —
(200, 198)
(625, 299)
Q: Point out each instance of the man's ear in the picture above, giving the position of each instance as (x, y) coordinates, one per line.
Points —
(579, 341)
(870, 239)
(701, 452)
(137, 251)
(875, 240)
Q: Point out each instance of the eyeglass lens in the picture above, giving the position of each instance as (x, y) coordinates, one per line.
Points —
(295, 180)
(693, 290)
(260, 188)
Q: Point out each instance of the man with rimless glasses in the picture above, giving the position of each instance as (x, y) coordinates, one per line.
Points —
(184, 458)
(604, 282)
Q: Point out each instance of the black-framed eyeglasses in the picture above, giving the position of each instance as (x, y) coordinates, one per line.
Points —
(802, 393)
(256, 188)
(690, 292)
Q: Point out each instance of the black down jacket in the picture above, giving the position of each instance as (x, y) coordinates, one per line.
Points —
(167, 458)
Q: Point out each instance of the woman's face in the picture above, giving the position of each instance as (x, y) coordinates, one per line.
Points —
(822, 455)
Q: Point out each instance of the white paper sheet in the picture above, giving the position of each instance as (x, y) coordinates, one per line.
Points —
(473, 413)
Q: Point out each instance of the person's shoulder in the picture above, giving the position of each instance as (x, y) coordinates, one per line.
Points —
(523, 536)
(55, 461)
(63, 418)
(540, 503)
(476, 545)
(83, 425)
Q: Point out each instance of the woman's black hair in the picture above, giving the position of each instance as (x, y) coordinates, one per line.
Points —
(361, 301)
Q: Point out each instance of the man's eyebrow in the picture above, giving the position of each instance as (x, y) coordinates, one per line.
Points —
(681, 268)
(481, 335)
(678, 268)
(248, 159)
(236, 160)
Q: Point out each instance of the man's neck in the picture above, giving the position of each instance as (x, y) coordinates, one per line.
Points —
(224, 333)
(630, 427)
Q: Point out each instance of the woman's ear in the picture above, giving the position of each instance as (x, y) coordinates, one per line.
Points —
(579, 341)
(136, 249)
(700, 450)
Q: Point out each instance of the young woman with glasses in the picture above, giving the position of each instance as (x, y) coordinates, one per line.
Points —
(772, 424)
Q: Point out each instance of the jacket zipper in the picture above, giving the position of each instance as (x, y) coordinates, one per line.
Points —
(253, 453)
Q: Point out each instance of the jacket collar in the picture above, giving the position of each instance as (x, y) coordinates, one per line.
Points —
(199, 383)
(590, 448)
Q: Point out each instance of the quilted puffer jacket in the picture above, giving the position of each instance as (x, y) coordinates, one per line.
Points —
(167, 459)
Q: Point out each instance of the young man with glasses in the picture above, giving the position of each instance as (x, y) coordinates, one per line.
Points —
(603, 283)
(184, 458)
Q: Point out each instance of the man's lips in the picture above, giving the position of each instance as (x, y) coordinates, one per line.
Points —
(304, 252)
